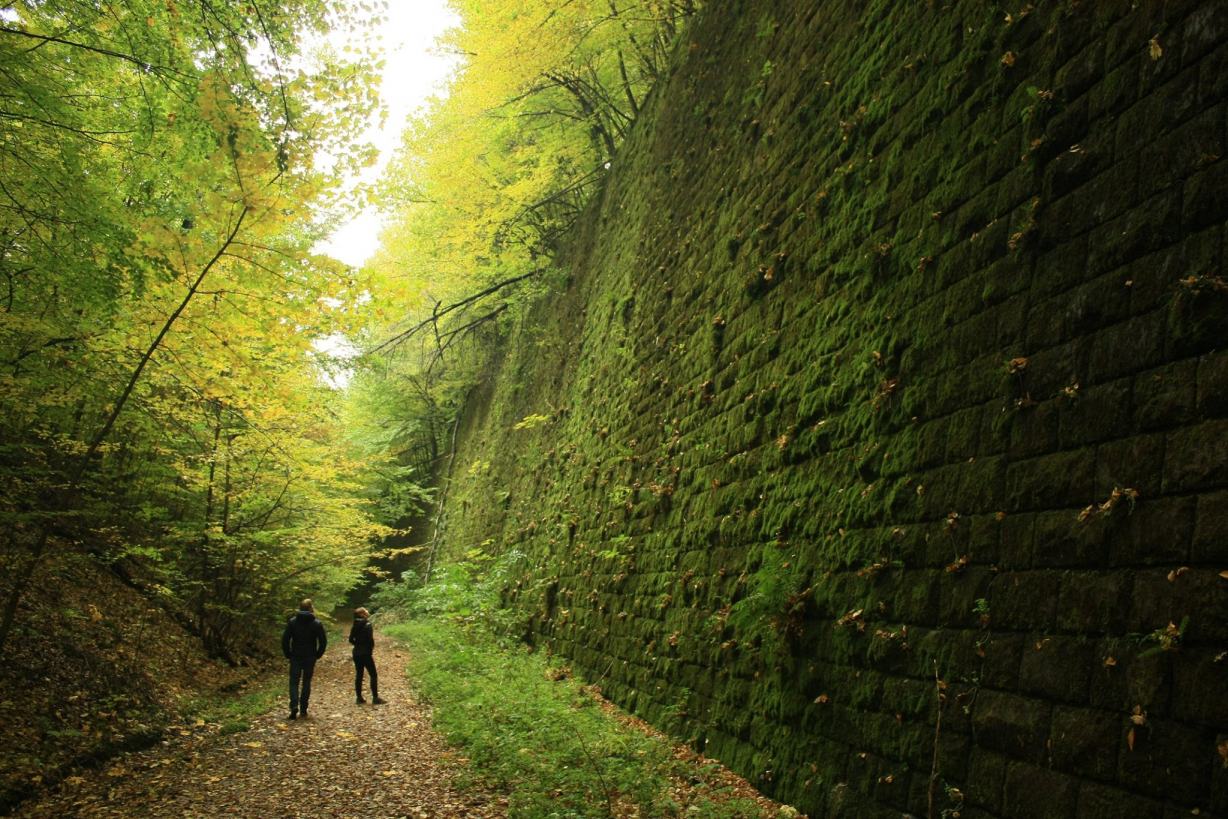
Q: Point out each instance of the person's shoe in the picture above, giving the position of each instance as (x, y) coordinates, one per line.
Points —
(360, 700)
(292, 716)
(376, 700)
(303, 714)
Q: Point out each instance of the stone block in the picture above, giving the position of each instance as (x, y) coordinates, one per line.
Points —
(1147, 227)
(1212, 400)
(1056, 480)
(1098, 801)
(1002, 653)
(1136, 124)
(1115, 92)
(1096, 413)
(1057, 668)
(1155, 532)
(1125, 678)
(1093, 204)
(1080, 72)
(1062, 267)
(1158, 600)
(1210, 541)
(1015, 726)
(1031, 791)
(986, 776)
(1017, 541)
(1192, 146)
(1062, 540)
(1169, 760)
(1197, 457)
(1134, 462)
(1165, 397)
(1213, 76)
(1033, 430)
(1085, 742)
(1155, 279)
(1022, 600)
(1072, 168)
(1199, 683)
(1093, 601)
(1205, 199)
(958, 593)
(1205, 28)
(1050, 371)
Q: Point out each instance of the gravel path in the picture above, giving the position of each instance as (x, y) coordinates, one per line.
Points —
(346, 760)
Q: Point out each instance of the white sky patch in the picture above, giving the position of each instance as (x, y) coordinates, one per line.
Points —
(336, 351)
(414, 70)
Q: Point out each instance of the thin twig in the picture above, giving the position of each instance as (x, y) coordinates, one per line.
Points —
(934, 769)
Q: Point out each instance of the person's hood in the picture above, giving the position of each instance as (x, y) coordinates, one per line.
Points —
(303, 614)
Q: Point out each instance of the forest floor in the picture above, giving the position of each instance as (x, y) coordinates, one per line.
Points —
(346, 760)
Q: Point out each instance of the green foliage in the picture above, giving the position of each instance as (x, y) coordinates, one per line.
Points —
(466, 591)
(1164, 639)
(551, 745)
(531, 421)
(232, 712)
(771, 609)
(159, 401)
(489, 178)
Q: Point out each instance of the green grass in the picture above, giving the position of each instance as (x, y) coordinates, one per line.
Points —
(548, 743)
(234, 712)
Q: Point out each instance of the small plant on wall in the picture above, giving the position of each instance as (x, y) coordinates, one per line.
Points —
(773, 610)
(1165, 639)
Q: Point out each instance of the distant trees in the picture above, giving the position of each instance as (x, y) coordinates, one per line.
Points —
(158, 193)
(492, 176)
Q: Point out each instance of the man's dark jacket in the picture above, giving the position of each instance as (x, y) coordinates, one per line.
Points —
(362, 637)
(304, 638)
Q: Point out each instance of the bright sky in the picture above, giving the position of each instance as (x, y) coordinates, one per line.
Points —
(413, 71)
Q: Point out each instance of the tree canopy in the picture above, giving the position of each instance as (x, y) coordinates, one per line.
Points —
(489, 178)
(160, 188)
(165, 168)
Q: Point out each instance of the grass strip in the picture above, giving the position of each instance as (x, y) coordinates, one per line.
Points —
(545, 739)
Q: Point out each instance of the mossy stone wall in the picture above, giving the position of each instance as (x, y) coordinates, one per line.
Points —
(885, 452)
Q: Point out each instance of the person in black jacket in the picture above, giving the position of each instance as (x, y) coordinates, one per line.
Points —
(302, 643)
(362, 637)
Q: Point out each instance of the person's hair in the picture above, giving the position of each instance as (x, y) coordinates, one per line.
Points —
(307, 605)
(361, 612)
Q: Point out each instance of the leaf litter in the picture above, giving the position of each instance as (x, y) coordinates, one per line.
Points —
(346, 760)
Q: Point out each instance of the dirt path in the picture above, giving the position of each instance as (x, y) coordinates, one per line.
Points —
(347, 760)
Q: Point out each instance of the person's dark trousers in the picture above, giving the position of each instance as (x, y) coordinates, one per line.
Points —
(300, 671)
(367, 663)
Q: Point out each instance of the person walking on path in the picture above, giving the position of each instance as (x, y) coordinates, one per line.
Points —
(303, 642)
(362, 637)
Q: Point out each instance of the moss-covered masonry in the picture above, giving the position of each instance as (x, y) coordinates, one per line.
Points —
(889, 382)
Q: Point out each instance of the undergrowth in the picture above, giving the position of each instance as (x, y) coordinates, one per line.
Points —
(234, 712)
(530, 728)
(543, 736)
